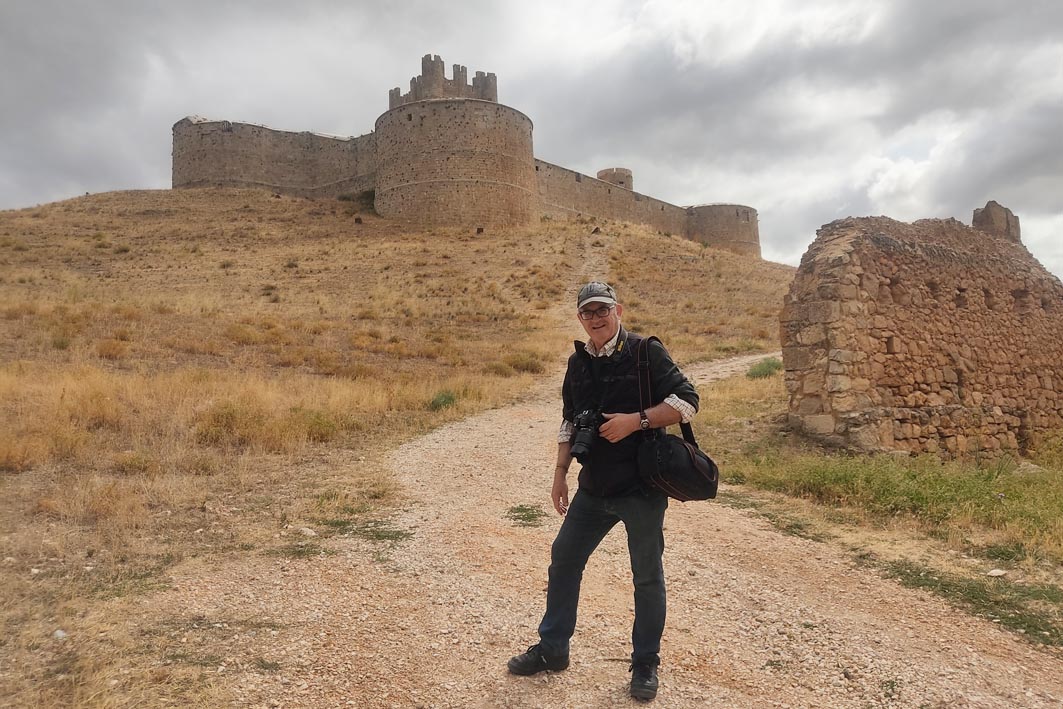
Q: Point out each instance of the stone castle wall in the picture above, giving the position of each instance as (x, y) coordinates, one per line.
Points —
(567, 194)
(241, 154)
(733, 227)
(456, 162)
(445, 153)
(930, 337)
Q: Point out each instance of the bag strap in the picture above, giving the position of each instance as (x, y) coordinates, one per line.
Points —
(643, 366)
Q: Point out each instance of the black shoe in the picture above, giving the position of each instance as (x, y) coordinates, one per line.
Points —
(643, 680)
(535, 660)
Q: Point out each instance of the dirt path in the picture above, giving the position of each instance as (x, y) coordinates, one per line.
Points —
(756, 618)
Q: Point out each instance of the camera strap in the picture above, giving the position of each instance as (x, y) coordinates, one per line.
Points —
(645, 379)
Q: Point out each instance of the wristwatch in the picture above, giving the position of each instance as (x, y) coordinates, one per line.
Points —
(644, 421)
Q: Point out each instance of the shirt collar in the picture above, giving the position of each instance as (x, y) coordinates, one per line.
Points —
(608, 348)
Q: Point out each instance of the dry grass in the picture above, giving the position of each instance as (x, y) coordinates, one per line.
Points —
(703, 303)
(185, 374)
(991, 510)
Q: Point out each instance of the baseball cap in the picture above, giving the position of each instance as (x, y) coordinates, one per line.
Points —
(596, 292)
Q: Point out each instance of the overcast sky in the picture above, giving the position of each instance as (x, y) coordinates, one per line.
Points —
(806, 110)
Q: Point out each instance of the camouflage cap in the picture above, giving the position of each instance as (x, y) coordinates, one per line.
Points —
(596, 292)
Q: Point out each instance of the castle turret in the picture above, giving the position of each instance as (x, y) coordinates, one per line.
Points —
(448, 160)
(726, 226)
(619, 176)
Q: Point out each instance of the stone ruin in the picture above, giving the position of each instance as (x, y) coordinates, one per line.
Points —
(930, 337)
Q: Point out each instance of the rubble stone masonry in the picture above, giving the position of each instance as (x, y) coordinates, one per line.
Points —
(931, 337)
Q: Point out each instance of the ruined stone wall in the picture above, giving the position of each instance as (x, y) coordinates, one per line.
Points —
(566, 194)
(725, 226)
(456, 162)
(245, 155)
(927, 337)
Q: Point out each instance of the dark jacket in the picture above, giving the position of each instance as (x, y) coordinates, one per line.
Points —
(610, 385)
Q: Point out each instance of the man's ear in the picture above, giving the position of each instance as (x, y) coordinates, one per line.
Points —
(619, 310)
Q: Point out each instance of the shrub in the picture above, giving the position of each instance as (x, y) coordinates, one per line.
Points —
(764, 368)
(499, 369)
(319, 426)
(111, 349)
(228, 423)
(524, 362)
(442, 400)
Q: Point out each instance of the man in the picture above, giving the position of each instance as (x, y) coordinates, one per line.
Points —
(602, 377)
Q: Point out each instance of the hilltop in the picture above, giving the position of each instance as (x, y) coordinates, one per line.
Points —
(190, 374)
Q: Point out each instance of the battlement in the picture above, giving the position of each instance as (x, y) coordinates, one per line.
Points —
(433, 84)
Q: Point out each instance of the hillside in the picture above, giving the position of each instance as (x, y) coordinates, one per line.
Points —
(193, 375)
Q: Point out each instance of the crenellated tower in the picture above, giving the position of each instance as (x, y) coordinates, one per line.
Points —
(433, 84)
(450, 154)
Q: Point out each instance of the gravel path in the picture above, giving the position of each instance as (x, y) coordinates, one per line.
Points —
(755, 618)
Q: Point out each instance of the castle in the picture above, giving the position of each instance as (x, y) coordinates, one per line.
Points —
(446, 153)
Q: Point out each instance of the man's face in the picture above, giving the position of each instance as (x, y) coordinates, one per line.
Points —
(604, 322)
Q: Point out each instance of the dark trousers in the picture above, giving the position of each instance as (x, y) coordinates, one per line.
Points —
(587, 522)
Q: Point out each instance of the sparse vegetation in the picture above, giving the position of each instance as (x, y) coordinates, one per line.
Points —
(1033, 610)
(765, 368)
(989, 513)
(526, 515)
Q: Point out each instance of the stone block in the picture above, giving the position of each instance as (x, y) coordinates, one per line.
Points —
(838, 382)
(823, 311)
(861, 384)
(810, 405)
(819, 424)
(813, 383)
(812, 335)
(837, 355)
(797, 358)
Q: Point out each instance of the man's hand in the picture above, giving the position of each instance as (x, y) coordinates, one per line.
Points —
(559, 494)
(617, 427)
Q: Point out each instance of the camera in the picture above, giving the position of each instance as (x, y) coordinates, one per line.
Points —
(586, 424)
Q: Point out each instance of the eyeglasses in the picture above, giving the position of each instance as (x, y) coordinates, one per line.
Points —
(591, 314)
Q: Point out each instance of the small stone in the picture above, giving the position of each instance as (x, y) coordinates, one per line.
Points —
(9, 560)
(60, 634)
(34, 572)
(996, 572)
(307, 532)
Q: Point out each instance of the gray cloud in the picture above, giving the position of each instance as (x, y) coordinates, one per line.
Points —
(906, 108)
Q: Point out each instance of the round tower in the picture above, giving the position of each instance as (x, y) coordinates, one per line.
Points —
(619, 176)
(725, 226)
(456, 162)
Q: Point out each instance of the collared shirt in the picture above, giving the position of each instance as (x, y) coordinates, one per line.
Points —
(564, 435)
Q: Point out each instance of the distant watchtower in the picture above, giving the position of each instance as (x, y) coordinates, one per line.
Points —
(619, 176)
(433, 84)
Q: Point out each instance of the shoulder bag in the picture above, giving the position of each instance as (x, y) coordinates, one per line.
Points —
(673, 465)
